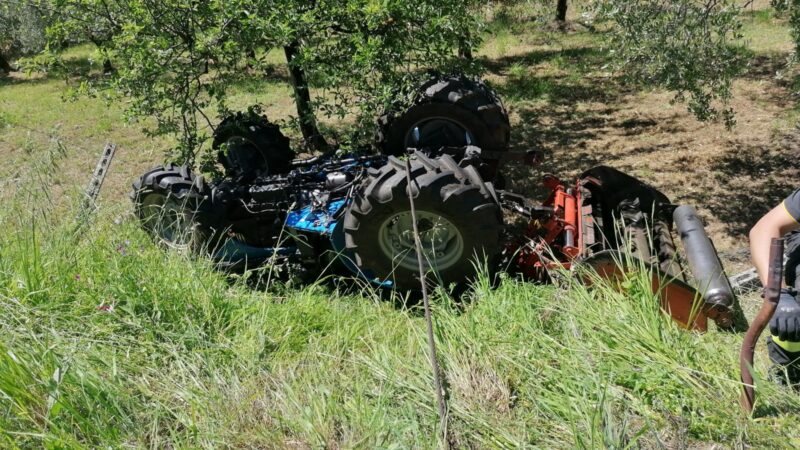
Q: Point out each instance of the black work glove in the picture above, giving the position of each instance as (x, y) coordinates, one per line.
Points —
(785, 323)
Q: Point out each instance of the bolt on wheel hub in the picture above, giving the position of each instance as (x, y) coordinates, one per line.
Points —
(442, 243)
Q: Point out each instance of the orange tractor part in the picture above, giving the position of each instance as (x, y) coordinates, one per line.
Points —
(614, 223)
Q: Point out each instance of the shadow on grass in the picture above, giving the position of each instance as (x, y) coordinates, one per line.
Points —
(19, 78)
(552, 113)
(68, 68)
(572, 102)
(766, 174)
(252, 81)
(580, 60)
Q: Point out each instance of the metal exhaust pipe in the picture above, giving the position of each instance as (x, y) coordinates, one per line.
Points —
(705, 265)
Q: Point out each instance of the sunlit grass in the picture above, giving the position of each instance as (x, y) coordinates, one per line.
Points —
(108, 341)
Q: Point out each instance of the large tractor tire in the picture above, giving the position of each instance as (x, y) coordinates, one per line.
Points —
(248, 145)
(458, 217)
(448, 111)
(166, 201)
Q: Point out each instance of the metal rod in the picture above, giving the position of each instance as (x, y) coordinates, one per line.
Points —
(88, 205)
(772, 292)
(437, 381)
(99, 175)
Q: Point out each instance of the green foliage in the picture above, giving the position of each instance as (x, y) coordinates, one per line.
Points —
(22, 27)
(686, 46)
(109, 342)
(114, 343)
(792, 7)
(176, 60)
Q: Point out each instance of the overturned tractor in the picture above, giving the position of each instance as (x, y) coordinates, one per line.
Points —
(350, 214)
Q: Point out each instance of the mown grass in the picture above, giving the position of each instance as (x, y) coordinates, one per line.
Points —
(106, 341)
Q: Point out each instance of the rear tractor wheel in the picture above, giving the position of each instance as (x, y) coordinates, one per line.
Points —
(448, 111)
(248, 146)
(458, 218)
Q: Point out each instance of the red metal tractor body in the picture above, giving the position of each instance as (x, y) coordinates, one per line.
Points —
(613, 223)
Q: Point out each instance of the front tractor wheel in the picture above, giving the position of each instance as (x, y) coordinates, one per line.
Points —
(458, 219)
(166, 203)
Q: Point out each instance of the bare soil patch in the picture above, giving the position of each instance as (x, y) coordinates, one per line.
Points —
(584, 117)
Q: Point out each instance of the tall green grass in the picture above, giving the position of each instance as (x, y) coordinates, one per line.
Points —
(106, 341)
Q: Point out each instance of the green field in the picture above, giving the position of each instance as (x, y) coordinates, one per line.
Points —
(107, 341)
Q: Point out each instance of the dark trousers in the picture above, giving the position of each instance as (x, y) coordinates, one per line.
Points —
(789, 361)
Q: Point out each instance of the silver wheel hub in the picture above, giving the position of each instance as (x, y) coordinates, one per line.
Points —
(442, 243)
(438, 132)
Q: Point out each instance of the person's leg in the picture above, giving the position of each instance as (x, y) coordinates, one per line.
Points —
(786, 355)
(786, 369)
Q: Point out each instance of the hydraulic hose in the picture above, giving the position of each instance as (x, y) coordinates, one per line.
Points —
(772, 293)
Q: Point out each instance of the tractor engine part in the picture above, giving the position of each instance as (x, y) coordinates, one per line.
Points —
(448, 111)
(705, 265)
(772, 294)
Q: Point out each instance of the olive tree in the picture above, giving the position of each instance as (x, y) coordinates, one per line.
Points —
(792, 7)
(95, 21)
(22, 30)
(693, 48)
(176, 60)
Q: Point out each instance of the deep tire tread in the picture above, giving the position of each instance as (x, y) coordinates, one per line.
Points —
(444, 187)
(470, 101)
(273, 146)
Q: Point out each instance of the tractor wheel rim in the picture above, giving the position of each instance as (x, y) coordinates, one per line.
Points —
(168, 220)
(236, 143)
(437, 132)
(442, 243)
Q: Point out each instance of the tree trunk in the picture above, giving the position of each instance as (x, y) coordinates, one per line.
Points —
(5, 66)
(108, 67)
(251, 56)
(308, 122)
(561, 11)
(464, 50)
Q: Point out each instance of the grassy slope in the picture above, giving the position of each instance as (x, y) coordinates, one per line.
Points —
(105, 341)
(108, 341)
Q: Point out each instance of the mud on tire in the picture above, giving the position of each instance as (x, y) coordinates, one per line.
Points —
(166, 201)
(457, 214)
(448, 111)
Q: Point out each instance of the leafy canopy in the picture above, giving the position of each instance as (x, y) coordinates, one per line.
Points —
(177, 59)
(691, 47)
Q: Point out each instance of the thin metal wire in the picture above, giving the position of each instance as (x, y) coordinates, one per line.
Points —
(437, 380)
